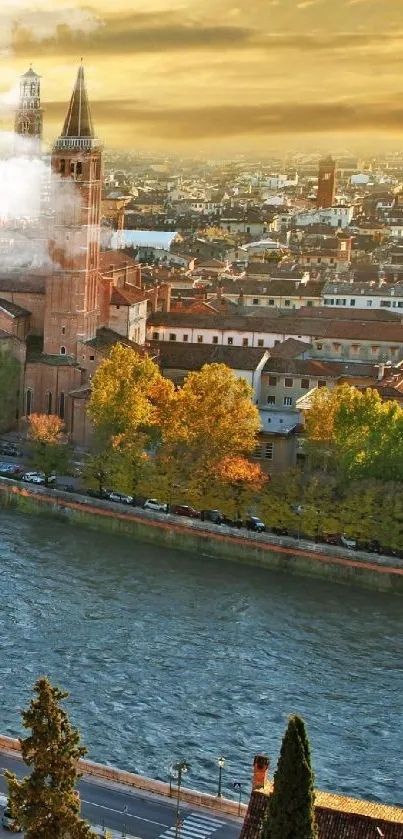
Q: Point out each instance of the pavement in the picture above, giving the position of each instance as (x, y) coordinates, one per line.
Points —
(134, 813)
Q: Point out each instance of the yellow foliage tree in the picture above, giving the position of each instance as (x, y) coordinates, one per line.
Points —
(240, 481)
(47, 447)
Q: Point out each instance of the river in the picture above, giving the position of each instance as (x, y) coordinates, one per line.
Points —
(169, 655)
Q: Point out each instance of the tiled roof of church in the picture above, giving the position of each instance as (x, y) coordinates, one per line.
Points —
(78, 122)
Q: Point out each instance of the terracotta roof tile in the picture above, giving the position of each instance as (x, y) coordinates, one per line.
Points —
(127, 296)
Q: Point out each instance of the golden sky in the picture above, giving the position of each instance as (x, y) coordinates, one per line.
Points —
(215, 76)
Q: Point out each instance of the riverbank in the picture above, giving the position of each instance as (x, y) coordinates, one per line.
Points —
(209, 540)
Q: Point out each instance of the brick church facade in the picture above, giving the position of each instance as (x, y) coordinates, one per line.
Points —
(65, 315)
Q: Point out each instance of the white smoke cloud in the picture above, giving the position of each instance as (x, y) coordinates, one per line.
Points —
(41, 20)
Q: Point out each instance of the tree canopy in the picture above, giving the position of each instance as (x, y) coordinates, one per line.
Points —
(355, 433)
(291, 810)
(47, 448)
(10, 371)
(44, 802)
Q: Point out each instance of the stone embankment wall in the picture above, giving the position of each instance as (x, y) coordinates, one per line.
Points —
(209, 540)
(109, 774)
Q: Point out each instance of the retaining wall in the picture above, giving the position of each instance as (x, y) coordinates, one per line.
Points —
(208, 540)
(118, 776)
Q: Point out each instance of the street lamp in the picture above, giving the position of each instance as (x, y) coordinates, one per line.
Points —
(221, 764)
(180, 768)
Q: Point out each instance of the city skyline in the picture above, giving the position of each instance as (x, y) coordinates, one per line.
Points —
(230, 77)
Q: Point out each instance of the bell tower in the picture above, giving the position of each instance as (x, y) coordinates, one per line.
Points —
(71, 306)
(29, 116)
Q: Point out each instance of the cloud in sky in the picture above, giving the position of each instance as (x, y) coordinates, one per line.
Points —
(255, 68)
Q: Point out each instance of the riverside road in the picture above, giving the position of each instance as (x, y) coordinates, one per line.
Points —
(140, 814)
(170, 655)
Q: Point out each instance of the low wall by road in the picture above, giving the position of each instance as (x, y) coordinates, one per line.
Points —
(118, 776)
(209, 540)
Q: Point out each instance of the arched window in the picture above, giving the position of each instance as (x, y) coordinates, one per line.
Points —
(49, 402)
(62, 350)
(61, 406)
(28, 402)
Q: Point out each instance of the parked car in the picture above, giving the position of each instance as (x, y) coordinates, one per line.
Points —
(348, 542)
(10, 450)
(254, 523)
(185, 510)
(8, 821)
(233, 522)
(11, 469)
(120, 498)
(212, 515)
(37, 478)
(370, 545)
(331, 538)
(98, 493)
(157, 506)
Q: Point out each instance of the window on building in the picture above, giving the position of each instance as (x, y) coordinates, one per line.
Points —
(200, 339)
(61, 406)
(49, 402)
(270, 302)
(336, 347)
(63, 330)
(260, 342)
(319, 346)
(369, 303)
(271, 400)
(272, 381)
(287, 402)
(268, 451)
(341, 301)
(277, 341)
(62, 350)
(230, 341)
(374, 350)
(256, 301)
(257, 451)
(71, 168)
(156, 336)
(393, 350)
(172, 336)
(288, 382)
(319, 259)
(79, 168)
(309, 302)
(287, 302)
(92, 357)
(321, 383)
(386, 304)
(331, 260)
(28, 402)
(186, 338)
(355, 348)
(245, 342)
(215, 339)
(305, 384)
(352, 301)
(62, 167)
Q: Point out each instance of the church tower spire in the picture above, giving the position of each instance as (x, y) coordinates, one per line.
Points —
(29, 116)
(71, 307)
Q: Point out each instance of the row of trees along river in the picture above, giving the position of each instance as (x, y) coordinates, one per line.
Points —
(194, 444)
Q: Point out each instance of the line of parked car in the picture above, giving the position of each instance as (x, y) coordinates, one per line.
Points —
(251, 523)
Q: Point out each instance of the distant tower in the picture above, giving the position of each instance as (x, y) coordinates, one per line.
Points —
(326, 182)
(71, 306)
(29, 116)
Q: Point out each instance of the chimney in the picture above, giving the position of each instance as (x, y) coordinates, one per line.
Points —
(219, 289)
(381, 372)
(241, 297)
(261, 765)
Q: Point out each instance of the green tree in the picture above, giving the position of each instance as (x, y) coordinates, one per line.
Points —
(10, 371)
(280, 499)
(291, 810)
(44, 802)
(48, 451)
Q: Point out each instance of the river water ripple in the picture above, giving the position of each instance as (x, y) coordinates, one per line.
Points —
(168, 655)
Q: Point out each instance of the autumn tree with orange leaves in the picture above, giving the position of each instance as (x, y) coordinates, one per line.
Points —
(240, 481)
(48, 450)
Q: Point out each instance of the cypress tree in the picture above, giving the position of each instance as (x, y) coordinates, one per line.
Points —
(44, 802)
(291, 808)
